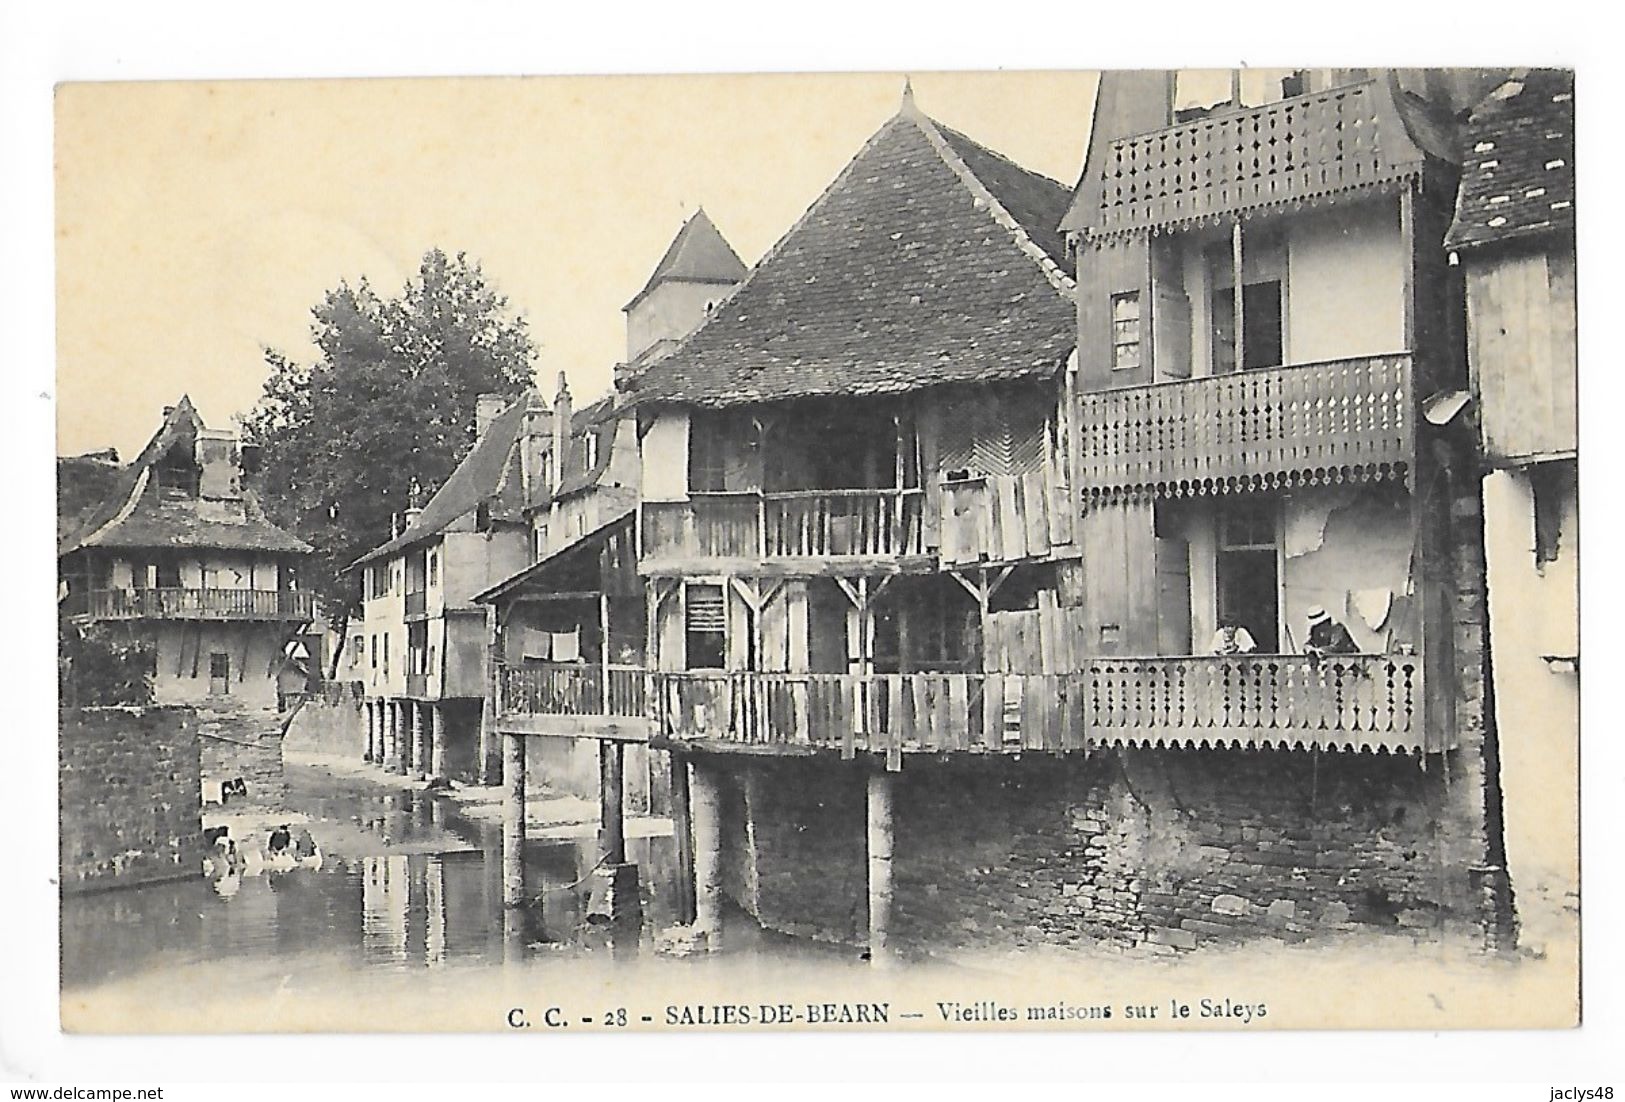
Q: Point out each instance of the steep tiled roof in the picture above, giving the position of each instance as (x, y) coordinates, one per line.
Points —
(598, 419)
(1517, 177)
(930, 259)
(132, 517)
(83, 482)
(698, 254)
(477, 478)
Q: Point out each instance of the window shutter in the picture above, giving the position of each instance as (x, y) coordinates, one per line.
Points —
(705, 609)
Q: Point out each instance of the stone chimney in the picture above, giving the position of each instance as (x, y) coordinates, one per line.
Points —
(219, 464)
(562, 414)
(535, 439)
(487, 408)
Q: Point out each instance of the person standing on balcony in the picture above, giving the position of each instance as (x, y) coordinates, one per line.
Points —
(1327, 636)
(1232, 638)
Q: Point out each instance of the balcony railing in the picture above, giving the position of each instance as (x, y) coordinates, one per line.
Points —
(1351, 702)
(1296, 149)
(574, 689)
(1287, 423)
(823, 524)
(200, 604)
(416, 603)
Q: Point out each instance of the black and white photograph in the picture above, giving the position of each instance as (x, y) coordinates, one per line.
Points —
(1068, 551)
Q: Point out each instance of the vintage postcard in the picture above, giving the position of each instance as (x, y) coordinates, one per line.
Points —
(1070, 551)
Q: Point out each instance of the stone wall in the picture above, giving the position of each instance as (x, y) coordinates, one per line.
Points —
(128, 782)
(242, 744)
(330, 723)
(1150, 850)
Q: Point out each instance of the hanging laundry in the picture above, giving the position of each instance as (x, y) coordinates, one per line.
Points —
(538, 644)
(567, 646)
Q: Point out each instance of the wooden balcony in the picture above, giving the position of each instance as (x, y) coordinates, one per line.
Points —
(200, 604)
(1296, 150)
(1343, 419)
(417, 686)
(1354, 702)
(848, 525)
(1343, 702)
(417, 605)
(575, 699)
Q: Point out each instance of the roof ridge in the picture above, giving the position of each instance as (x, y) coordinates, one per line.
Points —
(1023, 240)
(778, 246)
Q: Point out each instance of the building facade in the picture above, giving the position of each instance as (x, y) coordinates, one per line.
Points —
(179, 556)
(1513, 237)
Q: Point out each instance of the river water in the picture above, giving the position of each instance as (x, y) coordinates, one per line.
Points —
(407, 882)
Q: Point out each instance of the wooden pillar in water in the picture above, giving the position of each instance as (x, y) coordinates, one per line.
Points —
(683, 837)
(880, 866)
(707, 823)
(611, 790)
(420, 742)
(489, 767)
(370, 754)
(437, 740)
(513, 820)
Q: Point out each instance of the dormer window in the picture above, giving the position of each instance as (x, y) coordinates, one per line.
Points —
(177, 473)
(590, 450)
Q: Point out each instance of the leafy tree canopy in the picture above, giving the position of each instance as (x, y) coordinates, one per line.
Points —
(389, 400)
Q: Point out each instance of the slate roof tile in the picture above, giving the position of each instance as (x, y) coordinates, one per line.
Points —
(1517, 178)
(930, 259)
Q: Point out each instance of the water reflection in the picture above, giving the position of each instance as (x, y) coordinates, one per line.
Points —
(439, 904)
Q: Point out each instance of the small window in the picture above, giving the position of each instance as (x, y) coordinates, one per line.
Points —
(386, 652)
(374, 648)
(1126, 331)
(434, 568)
(541, 542)
(706, 627)
(219, 673)
(706, 464)
(590, 450)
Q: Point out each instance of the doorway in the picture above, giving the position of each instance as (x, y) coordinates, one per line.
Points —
(1247, 571)
(219, 674)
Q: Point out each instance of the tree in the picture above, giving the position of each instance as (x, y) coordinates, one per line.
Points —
(390, 400)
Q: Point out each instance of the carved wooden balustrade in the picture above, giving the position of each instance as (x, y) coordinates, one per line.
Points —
(1347, 702)
(1294, 150)
(1343, 419)
(1344, 702)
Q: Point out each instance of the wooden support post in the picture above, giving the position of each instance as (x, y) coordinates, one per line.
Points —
(1236, 295)
(371, 753)
(603, 649)
(490, 747)
(707, 825)
(420, 742)
(437, 738)
(611, 820)
(513, 821)
(880, 867)
(682, 837)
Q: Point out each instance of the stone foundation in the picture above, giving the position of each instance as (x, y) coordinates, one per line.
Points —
(1147, 850)
(129, 796)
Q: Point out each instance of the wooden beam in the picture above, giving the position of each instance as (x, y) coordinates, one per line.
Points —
(978, 593)
(1236, 294)
(1004, 573)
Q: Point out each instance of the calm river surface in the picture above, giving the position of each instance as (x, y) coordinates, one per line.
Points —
(407, 882)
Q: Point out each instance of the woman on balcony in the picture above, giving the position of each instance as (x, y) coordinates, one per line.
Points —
(1232, 638)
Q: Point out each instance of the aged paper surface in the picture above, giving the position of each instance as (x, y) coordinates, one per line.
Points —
(954, 768)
